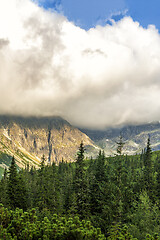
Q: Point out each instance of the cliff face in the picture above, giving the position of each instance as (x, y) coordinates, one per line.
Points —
(29, 138)
(134, 136)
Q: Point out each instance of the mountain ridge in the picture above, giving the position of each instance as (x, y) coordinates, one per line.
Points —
(134, 136)
(28, 139)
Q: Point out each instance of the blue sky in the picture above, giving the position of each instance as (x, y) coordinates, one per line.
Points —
(89, 13)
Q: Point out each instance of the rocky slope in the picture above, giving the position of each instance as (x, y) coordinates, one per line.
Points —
(29, 138)
(134, 136)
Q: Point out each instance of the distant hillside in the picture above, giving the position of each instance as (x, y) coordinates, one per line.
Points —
(29, 138)
(134, 136)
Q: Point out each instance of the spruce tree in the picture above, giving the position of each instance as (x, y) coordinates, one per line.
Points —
(12, 185)
(41, 196)
(16, 190)
(148, 168)
(120, 145)
(98, 185)
(80, 184)
(148, 154)
(119, 174)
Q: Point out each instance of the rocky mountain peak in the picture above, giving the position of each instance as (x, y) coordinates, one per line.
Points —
(28, 139)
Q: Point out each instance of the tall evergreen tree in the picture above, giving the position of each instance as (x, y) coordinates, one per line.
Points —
(12, 185)
(148, 155)
(100, 167)
(16, 191)
(97, 185)
(40, 199)
(148, 168)
(119, 176)
(80, 184)
(120, 145)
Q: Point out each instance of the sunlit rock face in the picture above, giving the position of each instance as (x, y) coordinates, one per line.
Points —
(28, 139)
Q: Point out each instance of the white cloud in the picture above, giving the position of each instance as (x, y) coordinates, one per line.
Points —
(105, 76)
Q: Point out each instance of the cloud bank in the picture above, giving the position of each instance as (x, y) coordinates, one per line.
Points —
(102, 77)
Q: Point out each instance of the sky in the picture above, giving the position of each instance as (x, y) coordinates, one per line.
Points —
(89, 13)
(94, 63)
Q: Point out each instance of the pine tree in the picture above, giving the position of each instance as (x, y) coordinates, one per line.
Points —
(22, 193)
(119, 173)
(120, 145)
(80, 184)
(98, 185)
(41, 195)
(148, 168)
(100, 167)
(42, 164)
(12, 185)
(16, 190)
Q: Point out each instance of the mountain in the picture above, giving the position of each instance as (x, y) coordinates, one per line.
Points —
(134, 136)
(29, 138)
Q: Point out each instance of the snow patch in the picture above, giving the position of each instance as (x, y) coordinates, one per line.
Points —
(5, 133)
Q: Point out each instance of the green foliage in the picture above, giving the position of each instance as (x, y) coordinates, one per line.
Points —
(119, 195)
(148, 168)
(145, 217)
(16, 190)
(120, 145)
(120, 233)
(25, 225)
(80, 184)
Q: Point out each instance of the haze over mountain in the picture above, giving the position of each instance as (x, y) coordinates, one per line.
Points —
(105, 76)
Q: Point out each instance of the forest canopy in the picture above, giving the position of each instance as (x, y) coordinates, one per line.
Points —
(104, 198)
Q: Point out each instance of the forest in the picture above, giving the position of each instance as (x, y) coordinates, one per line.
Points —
(104, 198)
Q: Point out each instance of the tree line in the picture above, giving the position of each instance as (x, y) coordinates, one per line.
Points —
(104, 198)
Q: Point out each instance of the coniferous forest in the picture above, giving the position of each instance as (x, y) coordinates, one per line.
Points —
(104, 198)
